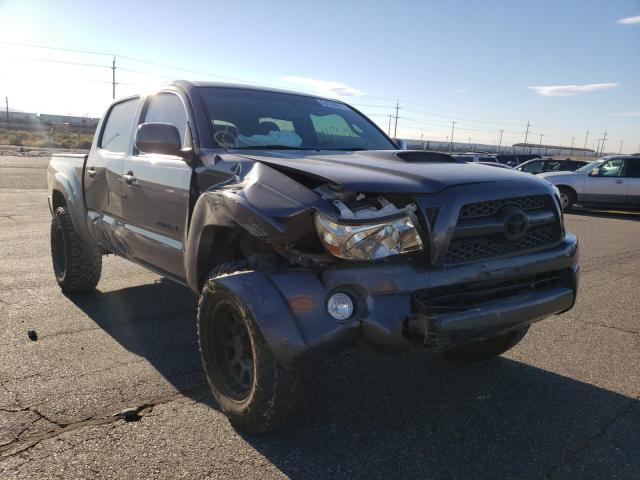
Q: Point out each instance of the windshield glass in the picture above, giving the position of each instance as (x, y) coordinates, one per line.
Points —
(243, 118)
(589, 166)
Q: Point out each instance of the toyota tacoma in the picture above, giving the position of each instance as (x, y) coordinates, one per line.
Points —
(304, 230)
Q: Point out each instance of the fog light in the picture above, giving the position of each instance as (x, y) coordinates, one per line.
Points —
(340, 306)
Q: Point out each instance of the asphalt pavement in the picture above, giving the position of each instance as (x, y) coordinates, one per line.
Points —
(563, 404)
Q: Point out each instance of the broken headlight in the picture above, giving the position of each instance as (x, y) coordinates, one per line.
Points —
(371, 240)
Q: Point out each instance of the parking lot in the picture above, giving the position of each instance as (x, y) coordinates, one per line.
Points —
(565, 403)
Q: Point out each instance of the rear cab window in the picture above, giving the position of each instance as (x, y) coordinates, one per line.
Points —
(116, 133)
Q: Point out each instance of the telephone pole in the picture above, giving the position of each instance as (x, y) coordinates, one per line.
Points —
(113, 77)
(604, 139)
(389, 130)
(6, 102)
(453, 128)
(573, 139)
(395, 129)
(500, 142)
(621, 142)
(586, 137)
(526, 134)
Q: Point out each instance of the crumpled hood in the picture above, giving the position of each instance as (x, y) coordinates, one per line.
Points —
(383, 171)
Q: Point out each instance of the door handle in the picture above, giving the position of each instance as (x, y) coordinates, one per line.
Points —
(91, 172)
(619, 181)
(130, 179)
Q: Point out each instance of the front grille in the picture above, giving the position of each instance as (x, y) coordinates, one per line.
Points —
(488, 238)
(469, 295)
(490, 207)
(469, 249)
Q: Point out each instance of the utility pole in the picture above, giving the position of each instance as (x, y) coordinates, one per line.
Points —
(526, 134)
(6, 102)
(586, 137)
(598, 148)
(395, 129)
(621, 142)
(573, 139)
(500, 142)
(540, 144)
(604, 139)
(113, 77)
(389, 130)
(453, 128)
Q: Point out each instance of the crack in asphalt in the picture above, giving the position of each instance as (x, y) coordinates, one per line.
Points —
(19, 446)
(586, 444)
(611, 327)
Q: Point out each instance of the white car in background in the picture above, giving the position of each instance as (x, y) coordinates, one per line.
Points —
(612, 181)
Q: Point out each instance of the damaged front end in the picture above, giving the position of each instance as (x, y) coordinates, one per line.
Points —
(359, 267)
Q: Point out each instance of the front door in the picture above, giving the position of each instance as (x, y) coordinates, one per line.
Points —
(156, 194)
(608, 185)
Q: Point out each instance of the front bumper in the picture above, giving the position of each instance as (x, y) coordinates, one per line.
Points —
(392, 301)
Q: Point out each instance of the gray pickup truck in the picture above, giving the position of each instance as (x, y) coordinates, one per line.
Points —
(305, 230)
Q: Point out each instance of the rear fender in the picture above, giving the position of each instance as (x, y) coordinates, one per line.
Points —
(70, 186)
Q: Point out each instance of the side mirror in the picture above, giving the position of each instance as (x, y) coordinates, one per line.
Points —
(595, 172)
(161, 138)
(401, 144)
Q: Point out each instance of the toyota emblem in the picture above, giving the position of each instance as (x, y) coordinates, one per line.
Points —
(516, 223)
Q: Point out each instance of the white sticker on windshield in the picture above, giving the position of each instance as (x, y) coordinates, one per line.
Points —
(330, 104)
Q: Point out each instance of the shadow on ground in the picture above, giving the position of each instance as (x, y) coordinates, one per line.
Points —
(412, 417)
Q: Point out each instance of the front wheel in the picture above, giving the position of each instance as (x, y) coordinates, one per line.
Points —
(253, 390)
(567, 198)
(488, 348)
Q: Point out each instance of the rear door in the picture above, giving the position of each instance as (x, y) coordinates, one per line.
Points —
(632, 179)
(156, 193)
(608, 186)
(103, 173)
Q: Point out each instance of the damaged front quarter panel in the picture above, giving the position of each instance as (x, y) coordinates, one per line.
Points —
(264, 203)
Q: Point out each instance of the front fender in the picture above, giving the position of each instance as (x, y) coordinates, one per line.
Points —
(269, 310)
(222, 208)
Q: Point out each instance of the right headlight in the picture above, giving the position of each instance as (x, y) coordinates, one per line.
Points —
(368, 240)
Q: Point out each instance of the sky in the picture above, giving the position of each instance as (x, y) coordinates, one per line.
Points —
(565, 66)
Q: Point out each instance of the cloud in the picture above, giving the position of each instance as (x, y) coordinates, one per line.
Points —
(325, 87)
(566, 90)
(629, 20)
(462, 90)
(626, 114)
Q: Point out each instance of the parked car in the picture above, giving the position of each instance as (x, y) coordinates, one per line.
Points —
(514, 160)
(476, 157)
(496, 164)
(542, 165)
(305, 231)
(612, 181)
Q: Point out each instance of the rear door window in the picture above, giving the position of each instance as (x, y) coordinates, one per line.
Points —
(117, 130)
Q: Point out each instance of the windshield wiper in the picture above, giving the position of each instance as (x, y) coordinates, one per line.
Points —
(270, 147)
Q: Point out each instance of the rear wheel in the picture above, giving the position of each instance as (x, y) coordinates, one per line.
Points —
(488, 348)
(77, 265)
(253, 390)
(567, 198)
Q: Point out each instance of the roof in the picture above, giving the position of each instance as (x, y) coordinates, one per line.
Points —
(187, 84)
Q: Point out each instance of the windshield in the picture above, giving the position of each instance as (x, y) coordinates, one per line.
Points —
(589, 166)
(252, 119)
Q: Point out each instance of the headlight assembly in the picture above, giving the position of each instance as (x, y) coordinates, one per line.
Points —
(368, 240)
